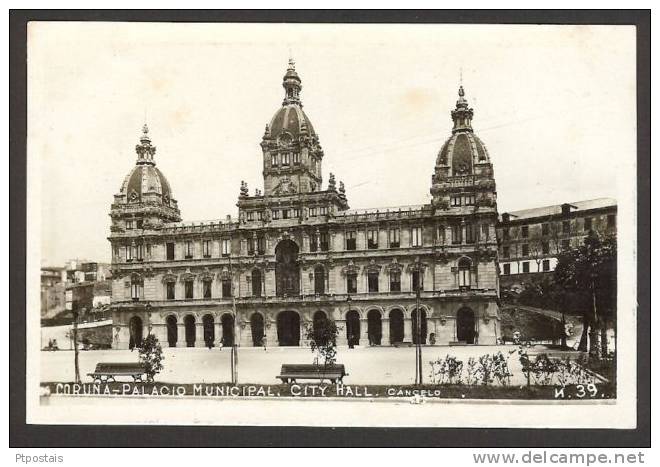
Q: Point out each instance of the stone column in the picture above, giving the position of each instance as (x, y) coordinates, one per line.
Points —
(385, 339)
(217, 328)
(199, 335)
(407, 330)
(341, 336)
(180, 334)
(364, 333)
(270, 329)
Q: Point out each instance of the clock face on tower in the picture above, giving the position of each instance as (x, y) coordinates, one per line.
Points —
(285, 186)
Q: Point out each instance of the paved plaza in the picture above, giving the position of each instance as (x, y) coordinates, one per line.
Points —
(365, 365)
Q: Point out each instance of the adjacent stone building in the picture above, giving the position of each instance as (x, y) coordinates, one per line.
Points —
(532, 239)
(297, 253)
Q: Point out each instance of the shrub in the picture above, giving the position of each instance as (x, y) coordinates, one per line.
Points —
(323, 340)
(448, 370)
(151, 356)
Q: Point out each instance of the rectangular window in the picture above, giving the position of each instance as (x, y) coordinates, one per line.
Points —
(525, 266)
(189, 249)
(507, 269)
(524, 231)
(273, 160)
(313, 212)
(129, 253)
(416, 237)
(395, 281)
(285, 213)
(276, 214)
(505, 233)
(313, 243)
(505, 251)
(545, 248)
(169, 247)
(295, 212)
(469, 200)
(350, 240)
(170, 290)
(455, 200)
(545, 229)
(136, 291)
(323, 210)
(546, 265)
(285, 158)
(456, 234)
(464, 279)
(351, 283)
(206, 248)
(250, 246)
(189, 289)
(587, 223)
(611, 220)
(138, 223)
(372, 239)
(485, 231)
(261, 245)
(525, 249)
(226, 288)
(394, 238)
(260, 215)
(417, 281)
(470, 233)
(566, 227)
(250, 215)
(296, 158)
(130, 225)
(565, 244)
(324, 241)
(372, 280)
(226, 247)
(207, 288)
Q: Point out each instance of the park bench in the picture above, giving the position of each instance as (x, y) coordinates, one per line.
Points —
(105, 372)
(291, 373)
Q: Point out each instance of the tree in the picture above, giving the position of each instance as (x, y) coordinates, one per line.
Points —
(151, 356)
(322, 337)
(590, 271)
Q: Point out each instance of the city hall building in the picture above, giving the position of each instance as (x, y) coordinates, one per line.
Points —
(296, 252)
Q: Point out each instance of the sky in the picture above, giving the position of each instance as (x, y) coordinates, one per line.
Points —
(554, 105)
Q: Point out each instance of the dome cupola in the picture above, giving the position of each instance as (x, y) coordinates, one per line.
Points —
(145, 197)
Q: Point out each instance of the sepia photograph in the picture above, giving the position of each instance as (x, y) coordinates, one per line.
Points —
(346, 225)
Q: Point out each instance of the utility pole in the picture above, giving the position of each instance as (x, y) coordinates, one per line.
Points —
(75, 343)
(420, 377)
(234, 346)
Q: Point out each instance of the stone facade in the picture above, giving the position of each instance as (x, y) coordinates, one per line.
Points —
(296, 251)
(530, 240)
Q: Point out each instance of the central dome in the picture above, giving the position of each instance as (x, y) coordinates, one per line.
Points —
(290, 118)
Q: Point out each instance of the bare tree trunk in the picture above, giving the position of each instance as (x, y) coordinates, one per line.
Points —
(594, 334)
(582, 347)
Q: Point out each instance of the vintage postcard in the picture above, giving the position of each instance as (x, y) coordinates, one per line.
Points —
(331, 224)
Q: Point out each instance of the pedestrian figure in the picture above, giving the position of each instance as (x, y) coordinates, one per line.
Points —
(350, 341)
(222, 343)
(264, 342)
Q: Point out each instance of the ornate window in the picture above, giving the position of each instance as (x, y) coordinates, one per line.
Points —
(273, 160)
(417, 280)
(372, 280)
(464, 266)
(319, 280)
(169, 290)
(372, 239)
(169, 247)
(189, 288)
(471, 233)
(394, 238)
(324, 241)
(456, 234)
(455, 200)
(256, 283)
(351, 282)
(207, 283)
(416, 237)
(285, 158)
(226, 288)
(469, 199)
(261, 245)
(296, 158)
(350, 240)
(206, 248)
(395, 281)
(226, 247)
(314, 243)
(250, 245)
(189, 249)
(136, 287)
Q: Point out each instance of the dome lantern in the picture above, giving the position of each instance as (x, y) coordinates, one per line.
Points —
(462, 114)
(292, 85)
(145, 150)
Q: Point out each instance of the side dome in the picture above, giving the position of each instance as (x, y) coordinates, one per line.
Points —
(145, 180)
(463, 150)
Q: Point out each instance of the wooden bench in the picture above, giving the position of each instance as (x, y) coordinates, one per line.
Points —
(291, 373)
(106, 372)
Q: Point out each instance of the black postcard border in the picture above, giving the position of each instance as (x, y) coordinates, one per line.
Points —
(24, 435)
